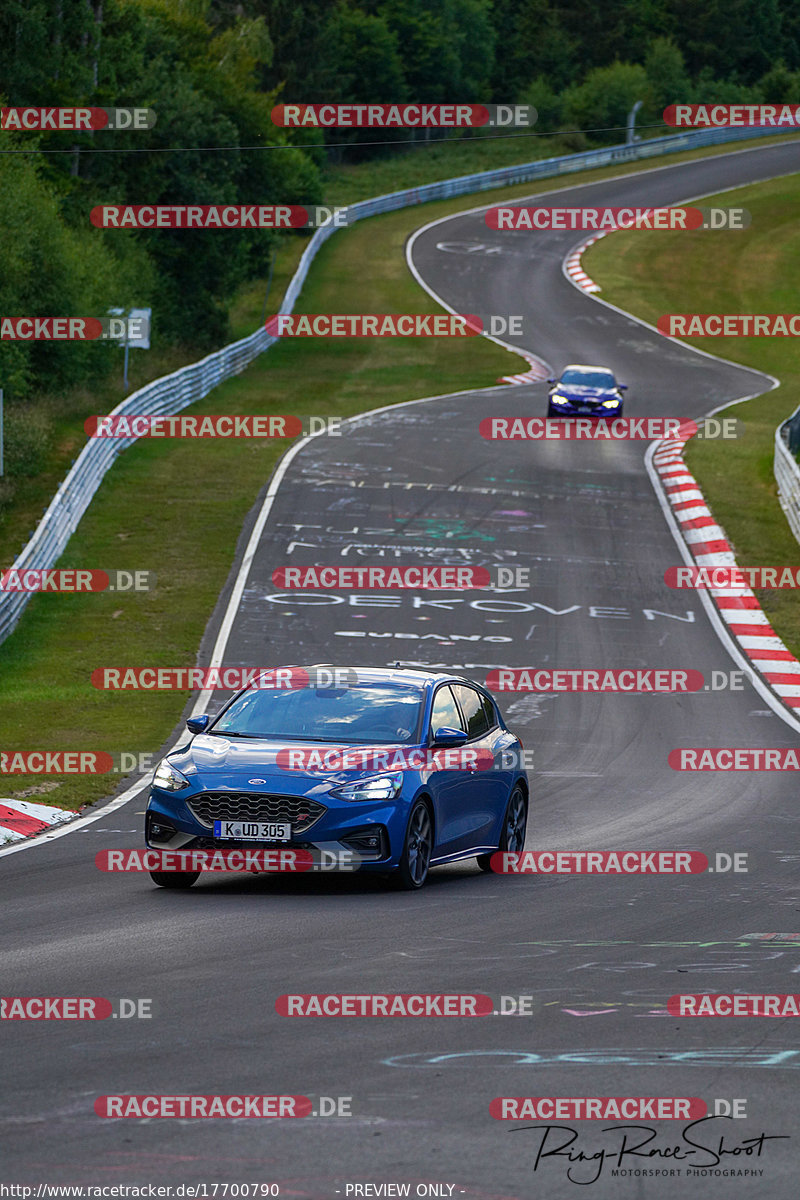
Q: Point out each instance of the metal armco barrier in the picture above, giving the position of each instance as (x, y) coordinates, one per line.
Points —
(175, 392)
(786, 470)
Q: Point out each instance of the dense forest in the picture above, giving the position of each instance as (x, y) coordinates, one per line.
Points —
(213, 69)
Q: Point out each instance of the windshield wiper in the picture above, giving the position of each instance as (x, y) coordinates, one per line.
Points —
(231, 733)
(290, 737)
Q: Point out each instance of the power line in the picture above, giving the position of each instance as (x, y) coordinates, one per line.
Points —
(492, 137)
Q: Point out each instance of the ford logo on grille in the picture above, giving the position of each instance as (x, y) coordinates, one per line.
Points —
(256, 781)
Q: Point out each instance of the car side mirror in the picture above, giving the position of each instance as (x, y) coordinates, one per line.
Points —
(449, 737)
(623, 387)
(551, 381)
(198, 724)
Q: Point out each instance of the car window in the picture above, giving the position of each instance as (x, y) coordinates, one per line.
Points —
(472, 709)
(489, 712)
(445, 714)
(368, 714)
(600, 379)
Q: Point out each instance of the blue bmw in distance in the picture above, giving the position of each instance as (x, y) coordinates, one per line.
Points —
(404, 769)
(587, 391)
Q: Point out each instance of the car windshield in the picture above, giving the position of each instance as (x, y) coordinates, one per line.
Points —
(364, 714)
(596, 379)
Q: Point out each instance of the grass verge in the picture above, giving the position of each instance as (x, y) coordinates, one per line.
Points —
(748, 271)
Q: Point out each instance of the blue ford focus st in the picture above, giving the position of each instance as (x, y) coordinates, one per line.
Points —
(403, 769)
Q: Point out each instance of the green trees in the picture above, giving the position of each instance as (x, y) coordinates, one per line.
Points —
(666, 74)
(201, 72)
(51, 268)
(606, 97)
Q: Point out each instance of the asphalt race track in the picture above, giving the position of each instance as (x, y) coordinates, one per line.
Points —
(411, 484)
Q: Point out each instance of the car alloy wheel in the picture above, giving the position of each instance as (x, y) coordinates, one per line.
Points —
(515, 824)
(416, 856)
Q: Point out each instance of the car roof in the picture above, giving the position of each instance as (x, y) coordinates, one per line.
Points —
(585, 367)
(388, 674)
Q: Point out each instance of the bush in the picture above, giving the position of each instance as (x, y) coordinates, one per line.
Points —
(26, 440)
(708, 90)
(779, 85)
(666, 76)
(602, 102)
(547, 103)
(572, 141)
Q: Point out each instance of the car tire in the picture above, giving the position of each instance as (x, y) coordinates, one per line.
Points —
(417, 849)
(619, 410)
(550, 412)
(515, 824)
(174, 879)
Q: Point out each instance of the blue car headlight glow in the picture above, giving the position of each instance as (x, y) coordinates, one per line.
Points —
(377, 787)
(556, 399)
(611, 403)
(168, 778)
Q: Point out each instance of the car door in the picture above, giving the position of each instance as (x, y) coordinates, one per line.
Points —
(485, 792)
(447, 786)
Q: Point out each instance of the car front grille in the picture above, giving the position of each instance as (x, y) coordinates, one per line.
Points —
(300, 812)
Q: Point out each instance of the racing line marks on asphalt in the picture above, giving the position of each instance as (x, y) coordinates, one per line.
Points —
(538, 368)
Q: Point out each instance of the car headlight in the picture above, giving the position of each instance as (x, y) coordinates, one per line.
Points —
(556, 399)
(377, 787)
(168, 778)
(611, 403)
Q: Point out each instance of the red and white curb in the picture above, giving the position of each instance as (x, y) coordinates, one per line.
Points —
(538, 370)
(573, 268)
(746, 621)
(18, 819)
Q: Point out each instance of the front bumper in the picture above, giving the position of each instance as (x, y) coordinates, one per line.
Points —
(582, 408)
(374, 831)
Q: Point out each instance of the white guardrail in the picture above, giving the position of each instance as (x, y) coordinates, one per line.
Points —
(175, 392)
(787, 474)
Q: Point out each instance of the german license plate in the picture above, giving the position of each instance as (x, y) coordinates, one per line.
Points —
(253, 831)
